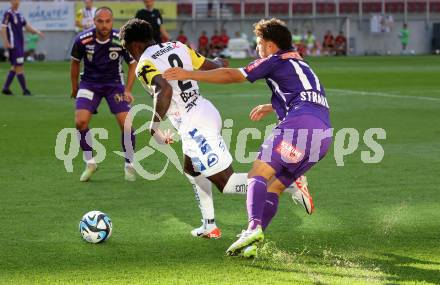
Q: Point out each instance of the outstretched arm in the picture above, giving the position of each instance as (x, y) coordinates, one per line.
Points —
(221, 75)
(32, 30)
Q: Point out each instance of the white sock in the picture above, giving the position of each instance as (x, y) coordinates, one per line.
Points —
(290, 189)
(203, 191)
(237, 184)
(91, 161)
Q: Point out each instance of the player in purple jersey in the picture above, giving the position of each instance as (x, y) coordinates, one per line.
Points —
(13, 40)
(302, 136)
(102, 53)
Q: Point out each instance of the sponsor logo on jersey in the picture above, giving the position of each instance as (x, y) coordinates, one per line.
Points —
(113, 55)
(162, 51)
(90, 55)
(205, 148)
(115, 48)
(289, 152)
(86, 41)
(119, 98)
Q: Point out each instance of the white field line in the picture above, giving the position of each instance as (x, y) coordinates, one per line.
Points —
(344, 92)
(332, 92)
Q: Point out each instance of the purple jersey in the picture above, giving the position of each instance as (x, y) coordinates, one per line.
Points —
(102, 60)
(14, 23)
(295, 87)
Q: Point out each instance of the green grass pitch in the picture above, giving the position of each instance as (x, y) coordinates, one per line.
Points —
(374, 223)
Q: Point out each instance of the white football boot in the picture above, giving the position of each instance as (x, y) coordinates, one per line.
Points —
(88, 172)
(130, 172)
(301, 194)
(207, 231)
(246, 238)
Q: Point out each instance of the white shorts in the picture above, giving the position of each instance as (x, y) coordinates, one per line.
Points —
(202, 140)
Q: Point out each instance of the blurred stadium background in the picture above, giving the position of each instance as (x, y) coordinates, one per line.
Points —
(370, 26)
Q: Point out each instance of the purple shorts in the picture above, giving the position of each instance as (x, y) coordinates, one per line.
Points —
(295, 145)
(90, 95)
(16, 56)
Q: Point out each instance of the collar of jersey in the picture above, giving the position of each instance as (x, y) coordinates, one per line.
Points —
(104, 42)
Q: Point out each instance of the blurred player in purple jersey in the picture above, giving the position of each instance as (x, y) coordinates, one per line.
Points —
(302, 136)
(102, 53)
(13, 40)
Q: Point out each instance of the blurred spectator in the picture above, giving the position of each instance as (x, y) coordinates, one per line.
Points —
(341, 44)
(311, 44)
(216, 44)
(153, 16)
(182, 38)
(31, 45)
(204, 44)
(224, 39)
(296, 38)
(298, 43)
(404, 37)
(238, 47)
(329, 43)
(84, 16)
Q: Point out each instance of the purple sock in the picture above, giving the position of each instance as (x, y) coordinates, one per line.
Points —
(270, 209)
(86, 148)
(256, 198)
(22, 81)
(9, 80)
(130, 151)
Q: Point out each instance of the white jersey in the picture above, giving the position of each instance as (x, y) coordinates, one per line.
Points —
(195, 118)
(186, 96)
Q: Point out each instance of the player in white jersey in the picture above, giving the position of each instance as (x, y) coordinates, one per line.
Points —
(198, 122)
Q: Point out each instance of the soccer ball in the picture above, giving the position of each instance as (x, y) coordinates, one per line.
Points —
(95, 227)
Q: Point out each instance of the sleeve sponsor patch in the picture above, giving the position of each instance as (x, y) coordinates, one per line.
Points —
(146, 71)
(254, 64)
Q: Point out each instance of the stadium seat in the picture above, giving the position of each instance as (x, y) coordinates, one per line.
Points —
(372, 7)
(394, 7)
(325, 8)
(434, 7)
(302, 8)
(416, 7)
(184, 9)
(348, 7)
(278, 8)
(235, 8)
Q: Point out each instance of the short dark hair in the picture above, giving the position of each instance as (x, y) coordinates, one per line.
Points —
(136, 30)
(274, 30)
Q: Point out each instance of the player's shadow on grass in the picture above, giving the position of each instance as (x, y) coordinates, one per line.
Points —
(401, 268)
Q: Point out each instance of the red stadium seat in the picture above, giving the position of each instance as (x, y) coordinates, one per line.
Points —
(416, 7)
(348, 8)
(278, 8)
(254, 8)
(394, 7)
(184, 9)
(372, 7)
(235, 7)
(325, 8)
(302, 8)
(434, 7)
